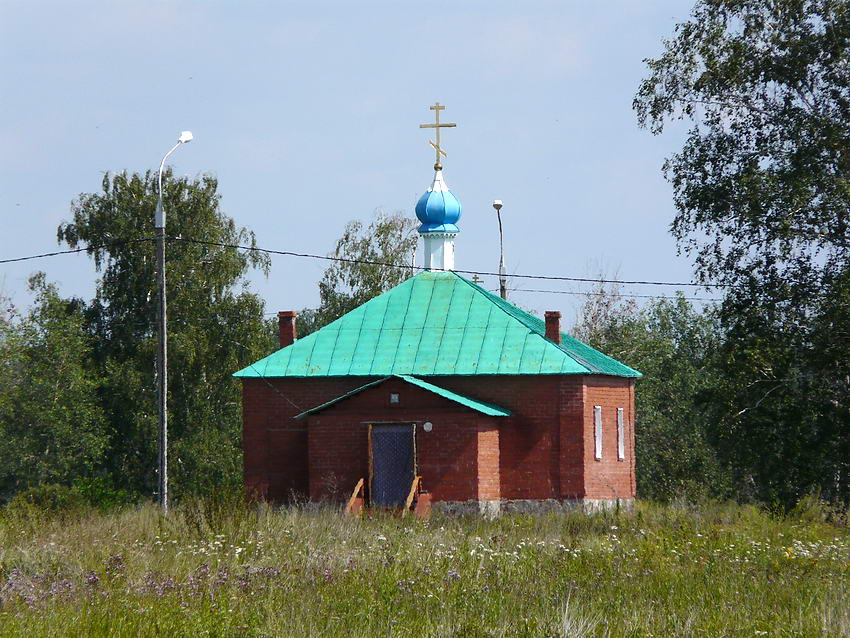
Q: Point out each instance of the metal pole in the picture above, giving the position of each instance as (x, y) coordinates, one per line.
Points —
(503, 281)
(162, 351)
(162, 370)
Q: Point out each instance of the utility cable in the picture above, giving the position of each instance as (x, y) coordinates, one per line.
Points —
(289, 253)
(603, 294)
(76, 250)
(469, 272)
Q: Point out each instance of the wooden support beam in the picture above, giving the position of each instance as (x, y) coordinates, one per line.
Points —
(356, 502)
(414, 488)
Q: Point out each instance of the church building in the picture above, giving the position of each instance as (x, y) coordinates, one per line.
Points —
(442, 392)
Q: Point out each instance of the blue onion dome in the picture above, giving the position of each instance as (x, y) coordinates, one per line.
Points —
(438, 209)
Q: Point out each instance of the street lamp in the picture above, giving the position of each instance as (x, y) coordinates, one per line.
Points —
(503, 282)
(162, 352)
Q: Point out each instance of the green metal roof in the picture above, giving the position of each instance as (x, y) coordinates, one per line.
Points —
(485, 408)
(436, 323)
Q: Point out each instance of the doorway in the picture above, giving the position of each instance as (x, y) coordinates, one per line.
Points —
(392, 463)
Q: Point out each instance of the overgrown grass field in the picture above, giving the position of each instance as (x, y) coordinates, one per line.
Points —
(223, 570)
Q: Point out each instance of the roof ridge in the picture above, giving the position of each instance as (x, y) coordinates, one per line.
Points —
(534, 325)
(538, 326)
(502, 302)
(580, 344)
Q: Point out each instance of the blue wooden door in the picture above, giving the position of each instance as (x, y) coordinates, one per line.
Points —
(392, 464)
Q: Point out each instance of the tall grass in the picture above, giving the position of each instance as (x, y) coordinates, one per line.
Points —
(222, 569)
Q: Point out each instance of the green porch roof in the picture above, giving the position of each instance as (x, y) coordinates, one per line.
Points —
(436, 323)
(479, 406)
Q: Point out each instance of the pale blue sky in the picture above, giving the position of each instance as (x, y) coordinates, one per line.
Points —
(308, 114)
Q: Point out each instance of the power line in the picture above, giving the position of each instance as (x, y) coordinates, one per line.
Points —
(602, 294)
(289, 253)
(75, 250)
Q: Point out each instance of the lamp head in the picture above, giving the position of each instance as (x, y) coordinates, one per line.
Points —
(185, 137)
(497, 205)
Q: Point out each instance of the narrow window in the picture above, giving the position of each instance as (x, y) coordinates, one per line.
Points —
(597, 429)
(621, 436)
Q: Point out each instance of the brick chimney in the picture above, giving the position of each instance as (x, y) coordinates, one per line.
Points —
(286, 319)
(553, 326)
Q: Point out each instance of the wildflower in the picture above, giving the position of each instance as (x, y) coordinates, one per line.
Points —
(14, 582)
(165, 586)
(406, 584)
(222, 576)
(115, 566)
(243, 582)
(203, 571)
(452, 575)
(269, 572)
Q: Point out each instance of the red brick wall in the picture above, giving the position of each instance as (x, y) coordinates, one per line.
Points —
(571, 439)
(609, 477)
(547, 445)
(545, 451)
(447, 457)
(489, 484)
(275, 445)
(528, 451)
(338, 456)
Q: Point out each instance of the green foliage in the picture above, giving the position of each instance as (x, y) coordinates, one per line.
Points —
(99, 493)
(52, 428)
(213, 569)
(366, 268)
(811, 509)
(215, 326)
(762, 191)
(675, 446)
(48, 499)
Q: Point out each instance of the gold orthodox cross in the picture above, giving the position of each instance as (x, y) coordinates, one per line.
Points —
(437, 125)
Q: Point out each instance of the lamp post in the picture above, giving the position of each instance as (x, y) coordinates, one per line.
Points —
(503, 281)
(162, 352)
